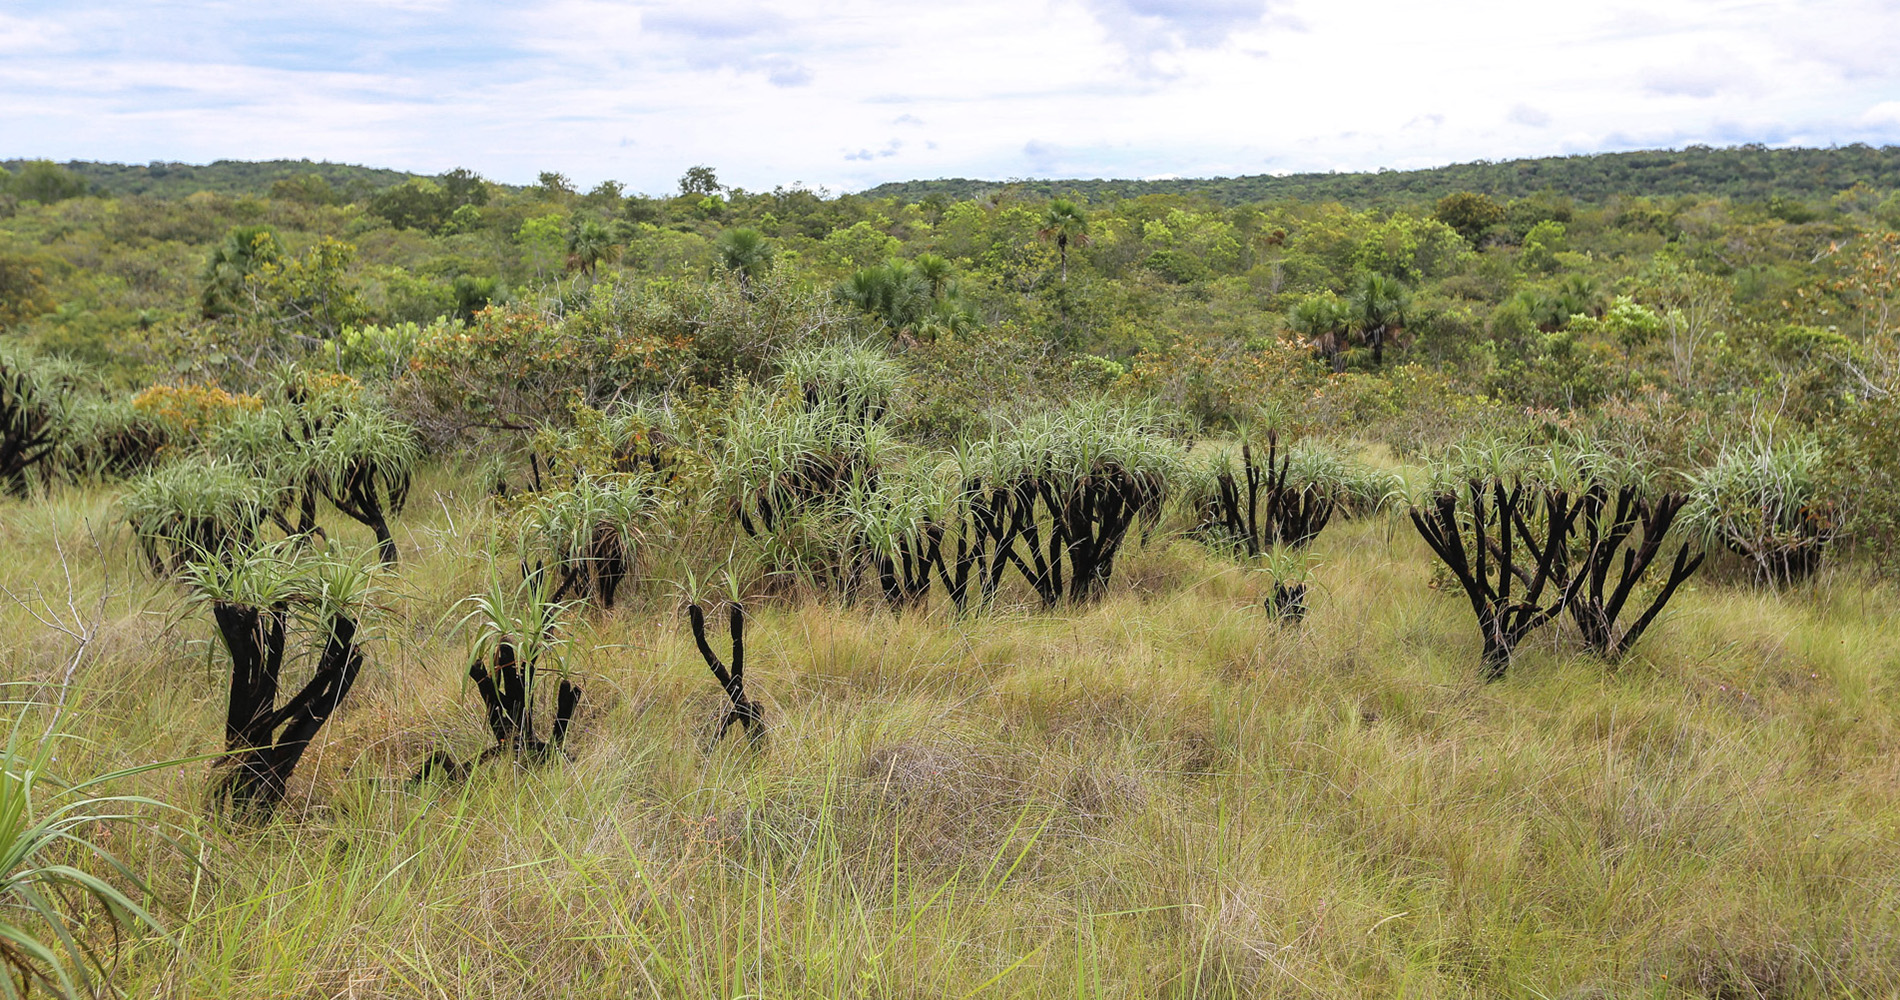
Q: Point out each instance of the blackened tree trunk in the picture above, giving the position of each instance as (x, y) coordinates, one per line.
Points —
(746, 712)
(1636, 527)
(267, 740)
(1488, 567)
(361, 497)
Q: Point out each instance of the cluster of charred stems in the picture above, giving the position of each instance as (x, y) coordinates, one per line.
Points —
(596, 571)
(265, 740)
(1261, 511)
(508, 695)
(1062, 533)
(1586, 554)
(26, 429)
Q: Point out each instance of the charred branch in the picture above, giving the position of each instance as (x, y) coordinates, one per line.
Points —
(1634, 527)
(1261, 510)
(744, 711)
(266, 740)
(1500, 527)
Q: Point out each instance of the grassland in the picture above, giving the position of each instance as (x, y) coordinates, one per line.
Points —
(1162, 795)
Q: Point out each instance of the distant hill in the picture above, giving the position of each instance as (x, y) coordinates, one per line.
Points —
(176, 180)
(1745, 172)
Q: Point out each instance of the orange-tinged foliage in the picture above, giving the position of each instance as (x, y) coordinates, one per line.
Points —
(188, 411)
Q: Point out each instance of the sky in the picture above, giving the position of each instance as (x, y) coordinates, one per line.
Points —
(845, 94)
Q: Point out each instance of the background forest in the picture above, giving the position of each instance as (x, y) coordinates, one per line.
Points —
(1668, 301)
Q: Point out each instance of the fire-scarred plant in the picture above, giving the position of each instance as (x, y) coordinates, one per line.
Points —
(268, 601)
(857, 381)
(1291, 571)
(362, 462)
(29, 425)
(783, 469)
(1482, 546)
(1634, 526)
(262, 441)
(1078, 481)
(586, 533)
(969, 527)
(1256, 509)
(1761, 500)
(197, 509)
(889, 541)
(621, 440)
(744, 711)
(109, 439)
(520, 638)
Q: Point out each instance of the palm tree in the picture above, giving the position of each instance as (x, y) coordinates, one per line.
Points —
(1065, 222)
(894, 292)
(588, 245)
(936, 272)
(745, 253)
(1378, 309)
(1581, 295)
(1321, 321)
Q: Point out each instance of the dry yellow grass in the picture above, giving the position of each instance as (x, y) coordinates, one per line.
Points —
(1163, 795)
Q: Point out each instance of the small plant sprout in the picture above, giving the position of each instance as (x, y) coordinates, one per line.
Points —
(744, 711)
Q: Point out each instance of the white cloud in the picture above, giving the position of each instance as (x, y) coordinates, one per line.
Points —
(1524, 114)
(777, 90)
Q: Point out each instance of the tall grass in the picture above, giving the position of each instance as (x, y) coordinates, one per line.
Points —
(1160, 794)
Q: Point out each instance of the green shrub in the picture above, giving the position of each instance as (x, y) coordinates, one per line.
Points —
(1762, 500)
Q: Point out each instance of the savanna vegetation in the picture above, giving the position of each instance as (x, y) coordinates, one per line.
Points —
(1479, 586)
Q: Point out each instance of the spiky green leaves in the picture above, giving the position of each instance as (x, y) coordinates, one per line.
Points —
(199, 509)
(29, 405)
(1761, 499)
(856, 380)
(585, 532)
(55, 913)
(362, 462)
